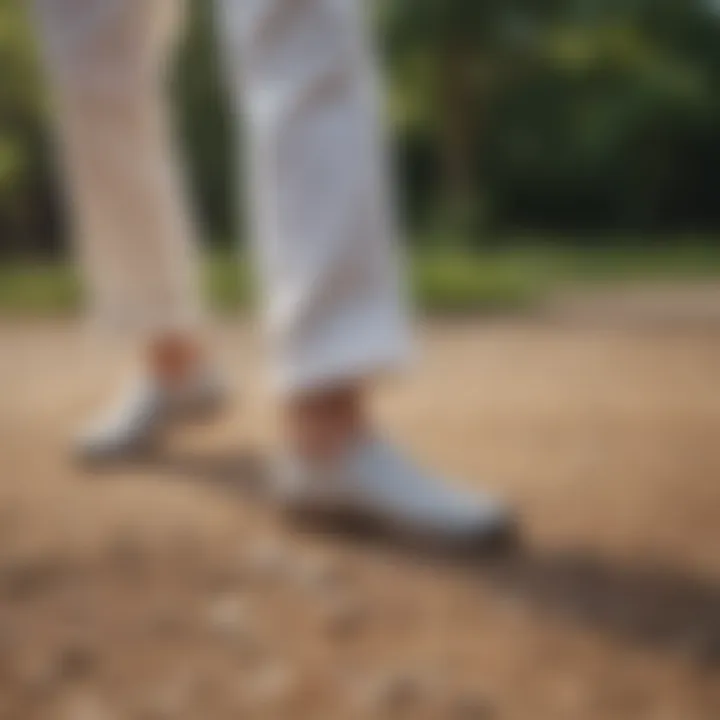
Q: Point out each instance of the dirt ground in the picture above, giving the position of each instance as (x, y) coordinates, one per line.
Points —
(172, 590)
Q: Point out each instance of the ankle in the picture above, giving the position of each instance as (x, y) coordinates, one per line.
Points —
(173, 358)
(323, 425)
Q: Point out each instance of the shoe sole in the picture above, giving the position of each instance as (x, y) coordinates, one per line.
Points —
(200, 412)
(504, 538)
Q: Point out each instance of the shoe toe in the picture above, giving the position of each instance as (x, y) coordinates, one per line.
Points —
(494, 526)
(97, 446)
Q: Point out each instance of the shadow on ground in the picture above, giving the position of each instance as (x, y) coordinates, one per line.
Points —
(661, 608)
(658, 607)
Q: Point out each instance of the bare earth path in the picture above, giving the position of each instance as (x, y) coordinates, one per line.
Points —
(171, 591)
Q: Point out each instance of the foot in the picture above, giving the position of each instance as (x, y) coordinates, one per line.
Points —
(135, 425)
(374, 483)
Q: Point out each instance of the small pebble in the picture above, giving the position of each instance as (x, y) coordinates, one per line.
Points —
(393, 694)
(166, 623)
(167, 703)
(39, 678)
(273, 684)
(86, 706)
(266, 561)
(470, 706)
(225, 577)
(127, 553)
(228, 616)
(9, 639)
(320, 573)
(77, 660)
(24, 578)
(345, 617)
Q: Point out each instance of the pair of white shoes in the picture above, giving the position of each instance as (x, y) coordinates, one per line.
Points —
(370, 482)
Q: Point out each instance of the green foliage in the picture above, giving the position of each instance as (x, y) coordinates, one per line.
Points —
(443, 281)
(206, 124)
(228, 283)
(24, 171)
(38, 290)
(582, 116)
(457, 281)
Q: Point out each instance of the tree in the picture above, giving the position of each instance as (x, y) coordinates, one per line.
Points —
(27, 206)
(448, 57)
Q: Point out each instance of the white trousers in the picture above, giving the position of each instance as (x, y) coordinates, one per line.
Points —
(302, 73)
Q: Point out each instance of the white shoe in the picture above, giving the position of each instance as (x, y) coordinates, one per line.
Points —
(374, 483)
(144, 412)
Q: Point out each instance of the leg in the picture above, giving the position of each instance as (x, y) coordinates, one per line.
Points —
(325, 240)
(106, 60)
(322, 220)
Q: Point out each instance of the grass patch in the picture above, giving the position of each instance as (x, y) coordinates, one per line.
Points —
(228, 283)
(464, 282)
(39, 290)
(634, 262)
(442, 280)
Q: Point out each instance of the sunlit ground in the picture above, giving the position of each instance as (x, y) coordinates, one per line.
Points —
(172, 590)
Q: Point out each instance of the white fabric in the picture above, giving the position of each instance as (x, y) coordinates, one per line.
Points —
(107, 62)
(302, 73)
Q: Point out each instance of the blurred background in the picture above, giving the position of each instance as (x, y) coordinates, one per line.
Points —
(558, 166)
(535, 133)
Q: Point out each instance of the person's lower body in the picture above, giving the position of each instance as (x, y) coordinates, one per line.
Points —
(323, 233)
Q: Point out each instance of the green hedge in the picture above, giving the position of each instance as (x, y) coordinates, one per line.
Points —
(442, 281)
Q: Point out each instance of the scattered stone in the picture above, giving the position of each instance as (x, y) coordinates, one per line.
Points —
(225, 577)
(320, 573)
(127, 553)
(166, 623)
(230, 619)
(77, 660)
(228, 616)
(10, 519)
(272, 685)
(86, 706)
(77, 612)
(266, 561)
(25, 578)
(39, 678)
(9, 639)
(167, 703)
(345, 617)
(471, 706)
(395, 693)
(569, 694)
